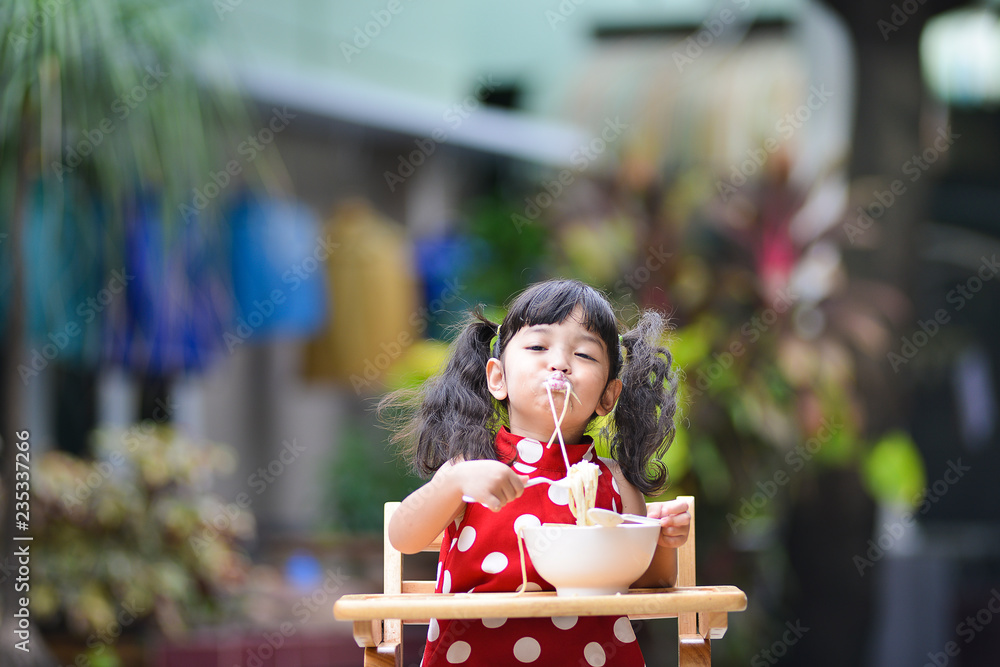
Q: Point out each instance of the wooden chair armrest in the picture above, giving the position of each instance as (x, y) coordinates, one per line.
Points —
(368, 634)
(713, 624)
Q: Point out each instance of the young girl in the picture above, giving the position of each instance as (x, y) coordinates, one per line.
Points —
(482, 427)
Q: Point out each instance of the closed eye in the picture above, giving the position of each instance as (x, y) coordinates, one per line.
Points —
(585, 356)
(535, 348)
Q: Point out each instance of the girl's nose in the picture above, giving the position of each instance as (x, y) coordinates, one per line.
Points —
(559, 361)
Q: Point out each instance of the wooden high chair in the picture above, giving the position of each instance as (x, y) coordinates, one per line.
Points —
(701, 611)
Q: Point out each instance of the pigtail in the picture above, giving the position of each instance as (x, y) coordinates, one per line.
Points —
(644, 415)
(454, 414)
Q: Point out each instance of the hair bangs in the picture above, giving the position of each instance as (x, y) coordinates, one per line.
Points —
(552, 302)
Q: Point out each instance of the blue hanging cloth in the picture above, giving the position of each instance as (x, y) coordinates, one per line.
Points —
(178, 301)
(66, 286)
(279, 274)
(443, 264)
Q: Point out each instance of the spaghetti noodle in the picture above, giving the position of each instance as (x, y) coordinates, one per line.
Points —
(582, 479)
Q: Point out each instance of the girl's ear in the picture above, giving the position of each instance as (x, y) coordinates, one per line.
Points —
(609, 398)
(495, 379)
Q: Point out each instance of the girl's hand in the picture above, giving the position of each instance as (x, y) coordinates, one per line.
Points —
(491, 483)
(675, 522)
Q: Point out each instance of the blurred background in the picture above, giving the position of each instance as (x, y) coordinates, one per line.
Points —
(229, 227)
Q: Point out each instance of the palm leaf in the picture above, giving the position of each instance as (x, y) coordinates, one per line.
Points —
(82, 106)
(96, 60)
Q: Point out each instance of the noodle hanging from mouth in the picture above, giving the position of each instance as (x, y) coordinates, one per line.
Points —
(558, 385)
(582, 477)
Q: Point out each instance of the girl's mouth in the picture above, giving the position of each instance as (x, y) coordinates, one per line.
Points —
(557, 382)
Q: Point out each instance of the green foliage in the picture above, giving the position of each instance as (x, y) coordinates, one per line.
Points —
(510, 253)
(135, 534)
(363, 475)
(894, 471)
(111, 92)
(421, 360)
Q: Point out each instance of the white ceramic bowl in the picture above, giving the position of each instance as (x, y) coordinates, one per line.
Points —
(590, 560)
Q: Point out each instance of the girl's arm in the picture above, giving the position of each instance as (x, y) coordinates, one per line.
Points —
(675, 524)
(427, 511)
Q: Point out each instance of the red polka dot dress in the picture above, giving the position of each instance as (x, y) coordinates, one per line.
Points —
(479, 552)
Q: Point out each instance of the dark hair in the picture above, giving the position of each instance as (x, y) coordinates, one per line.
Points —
(455, 414)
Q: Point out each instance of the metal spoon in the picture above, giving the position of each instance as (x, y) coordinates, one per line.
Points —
(561, 483)
(603, 517)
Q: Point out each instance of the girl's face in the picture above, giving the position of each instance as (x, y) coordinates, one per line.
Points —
(531, 356)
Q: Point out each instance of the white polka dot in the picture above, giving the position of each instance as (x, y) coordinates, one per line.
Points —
(433, 630)
(524, 521)
(454, 541)
(592, 652)
(437, 579)
(495, 563)
(614, 506)
(614, 485)
(527, 649)
(623, 630)
(558, 495)
(531, 586)
(460, 652)
(466, 538)
(523, 468)
(529, 451)
(446, 582)
(564, 622)
(494, 622)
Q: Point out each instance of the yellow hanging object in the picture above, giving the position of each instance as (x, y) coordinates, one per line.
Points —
(372, 297)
